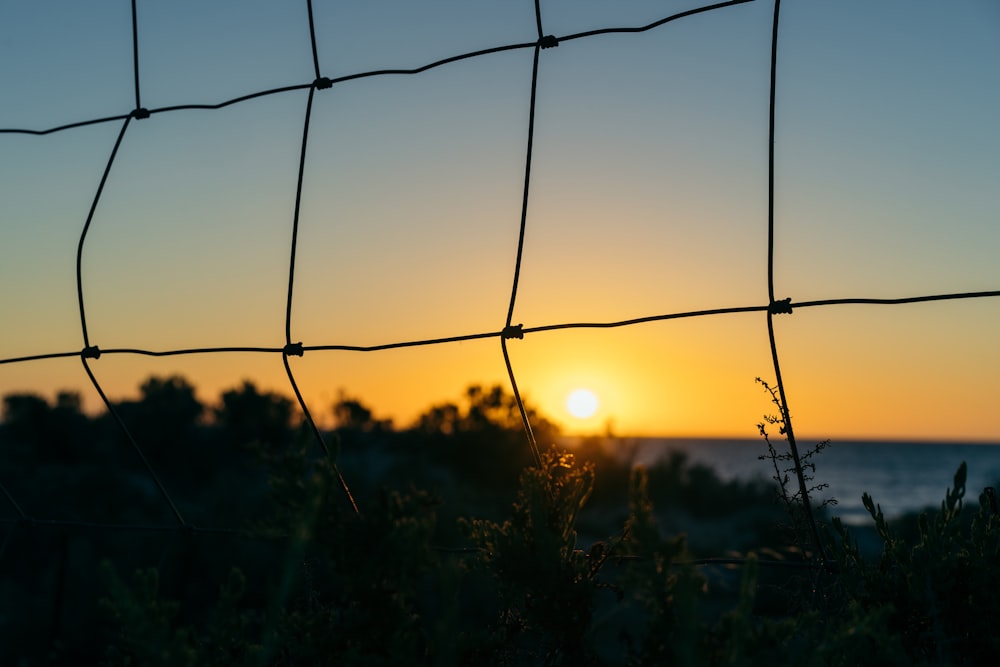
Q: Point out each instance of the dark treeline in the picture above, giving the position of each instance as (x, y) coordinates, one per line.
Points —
(214, 459)
(464, 552)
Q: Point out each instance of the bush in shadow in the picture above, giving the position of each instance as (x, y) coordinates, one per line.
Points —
(935, 594)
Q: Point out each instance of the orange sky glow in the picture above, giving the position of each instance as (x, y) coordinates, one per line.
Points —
(648, 197)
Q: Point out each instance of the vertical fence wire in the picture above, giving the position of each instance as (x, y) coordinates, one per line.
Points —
(775, 306)
(312, 38)
(511, 331)
(296, 348)
(92, 351)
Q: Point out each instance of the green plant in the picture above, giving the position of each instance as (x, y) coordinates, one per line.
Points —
(663, 589)
(148, 631)
(791, 466)
(545, 586)
(349, 589)
(937, 595)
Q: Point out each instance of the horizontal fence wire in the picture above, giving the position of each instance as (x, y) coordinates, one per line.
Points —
(517, 331)
(509, 331)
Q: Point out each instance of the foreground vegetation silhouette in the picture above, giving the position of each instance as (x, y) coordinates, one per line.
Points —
(464, 553)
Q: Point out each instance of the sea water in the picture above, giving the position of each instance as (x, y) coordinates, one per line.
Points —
(901, 477)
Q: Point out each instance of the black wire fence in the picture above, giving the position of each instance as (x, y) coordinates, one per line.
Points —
(319, 83)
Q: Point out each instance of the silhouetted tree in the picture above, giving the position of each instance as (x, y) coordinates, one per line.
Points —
(24, 416)
(36, 430)
(167, 409)
(484, 441)
(164, 422)
(248, 416)
(443, 419)
(488, 411)
(350, 414)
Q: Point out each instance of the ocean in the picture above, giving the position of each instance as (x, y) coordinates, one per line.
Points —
(900, 477)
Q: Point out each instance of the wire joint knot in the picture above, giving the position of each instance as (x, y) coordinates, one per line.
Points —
(293, 350)
(548, 42)
(513, 331)
(780, 307)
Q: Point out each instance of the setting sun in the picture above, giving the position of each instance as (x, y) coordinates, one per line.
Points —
(582, 403)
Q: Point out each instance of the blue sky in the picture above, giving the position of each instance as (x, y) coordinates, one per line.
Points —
(648, 196)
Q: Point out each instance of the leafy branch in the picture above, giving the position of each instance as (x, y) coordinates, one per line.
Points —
(802, 466)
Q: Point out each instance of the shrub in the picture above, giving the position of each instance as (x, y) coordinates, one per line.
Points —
(937, 595)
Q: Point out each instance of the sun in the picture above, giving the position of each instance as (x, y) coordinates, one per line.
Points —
(581, 403)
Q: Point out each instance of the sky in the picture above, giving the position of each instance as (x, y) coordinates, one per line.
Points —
(648, 196)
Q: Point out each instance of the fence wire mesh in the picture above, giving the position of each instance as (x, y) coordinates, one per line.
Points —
(18, 519)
